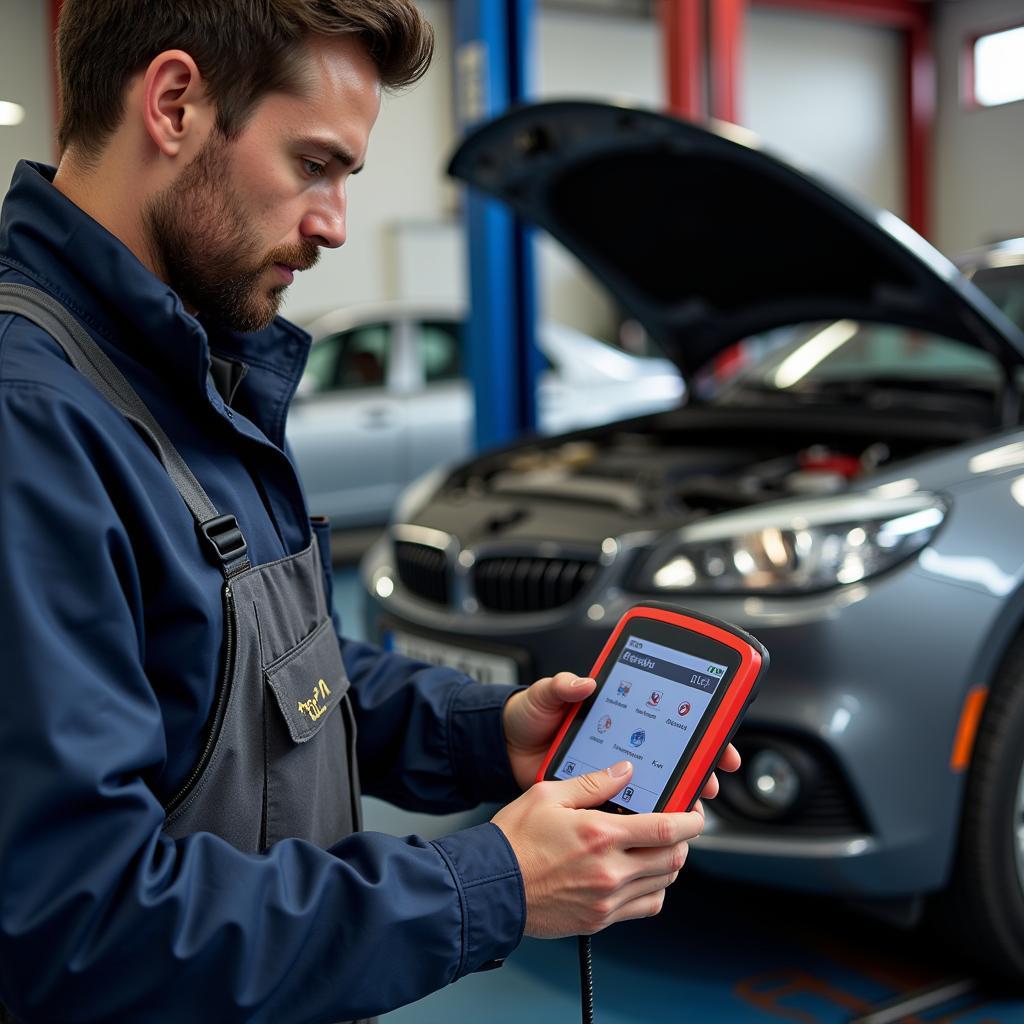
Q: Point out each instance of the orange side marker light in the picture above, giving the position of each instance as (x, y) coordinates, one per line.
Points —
(970, 717)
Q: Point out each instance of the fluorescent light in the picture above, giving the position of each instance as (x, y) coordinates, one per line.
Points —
(800, 363)
(11, 113)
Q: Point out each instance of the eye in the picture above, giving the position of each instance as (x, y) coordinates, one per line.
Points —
(312, 167)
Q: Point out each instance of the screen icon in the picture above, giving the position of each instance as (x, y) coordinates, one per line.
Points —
(624, 689)
(627, 794)
(655, 699)
(684, 708)
(604, 724)
(637, 739)
(570, 767)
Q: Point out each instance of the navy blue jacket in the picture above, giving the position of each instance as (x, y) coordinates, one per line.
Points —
(110, 619)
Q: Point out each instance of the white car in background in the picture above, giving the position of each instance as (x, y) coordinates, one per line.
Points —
(385, 398)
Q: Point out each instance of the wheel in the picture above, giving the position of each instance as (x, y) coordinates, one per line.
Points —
(983, 908)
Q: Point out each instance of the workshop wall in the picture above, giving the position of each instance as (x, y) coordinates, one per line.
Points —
(25, 79)
(979, 153)
(824, 93)
(623, 63)
(827, 95)
(844, 80)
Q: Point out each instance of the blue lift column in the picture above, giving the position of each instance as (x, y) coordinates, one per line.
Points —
(493, 45)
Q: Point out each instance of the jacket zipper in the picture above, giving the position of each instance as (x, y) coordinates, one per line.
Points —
(217, 718)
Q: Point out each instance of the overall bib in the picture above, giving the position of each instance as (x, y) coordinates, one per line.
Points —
(278, 759)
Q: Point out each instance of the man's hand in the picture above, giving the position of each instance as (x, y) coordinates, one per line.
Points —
(532, 717)
(585, 869)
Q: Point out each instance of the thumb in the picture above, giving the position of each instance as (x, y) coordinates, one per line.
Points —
(594, 788)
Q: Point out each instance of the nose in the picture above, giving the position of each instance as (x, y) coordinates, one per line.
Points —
(324, 222)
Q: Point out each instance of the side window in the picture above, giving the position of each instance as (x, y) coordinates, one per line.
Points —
(440, 346)
(1005, 287)
(363, 357)
(321, 367)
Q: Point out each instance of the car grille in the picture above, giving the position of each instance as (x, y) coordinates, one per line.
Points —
(423, 570)
(530, 584)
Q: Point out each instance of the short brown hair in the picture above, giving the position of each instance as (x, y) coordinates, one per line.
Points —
(243, 48)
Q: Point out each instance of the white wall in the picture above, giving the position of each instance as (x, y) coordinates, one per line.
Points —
(823, 92)
(979, 154)
(582, 55)
(25, 79)
(827, 94)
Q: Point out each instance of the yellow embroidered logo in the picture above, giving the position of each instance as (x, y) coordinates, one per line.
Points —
(312, 707)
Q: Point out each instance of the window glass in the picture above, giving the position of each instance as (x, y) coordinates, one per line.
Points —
(850, 351)
(999, 67)
(321, 367)
(363, 357)
(440, 345)
(1005, 287)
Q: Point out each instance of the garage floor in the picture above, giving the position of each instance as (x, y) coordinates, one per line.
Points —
(719, 953)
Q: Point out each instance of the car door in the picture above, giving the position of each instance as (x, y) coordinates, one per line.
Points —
(442, 406)
(348, 426)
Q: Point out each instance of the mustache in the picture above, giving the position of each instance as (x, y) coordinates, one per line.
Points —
(302, 256)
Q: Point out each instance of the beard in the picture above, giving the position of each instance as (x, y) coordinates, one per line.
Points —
(198, 234)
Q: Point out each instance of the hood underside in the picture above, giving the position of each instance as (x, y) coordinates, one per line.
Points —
(707, 240)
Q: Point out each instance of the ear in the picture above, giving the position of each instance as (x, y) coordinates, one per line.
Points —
(175, 105)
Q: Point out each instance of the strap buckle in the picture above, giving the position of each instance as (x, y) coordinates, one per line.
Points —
(224, 537)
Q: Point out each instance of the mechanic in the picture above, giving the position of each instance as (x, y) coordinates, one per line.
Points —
(184, 727)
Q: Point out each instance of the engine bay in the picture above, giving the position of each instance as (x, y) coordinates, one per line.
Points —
(680, 466)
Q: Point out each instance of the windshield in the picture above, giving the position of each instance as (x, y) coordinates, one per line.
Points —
(817, 355)
(836, 356)
(1005, 287)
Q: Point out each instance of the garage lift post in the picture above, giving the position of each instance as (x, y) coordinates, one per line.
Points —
(492, 72)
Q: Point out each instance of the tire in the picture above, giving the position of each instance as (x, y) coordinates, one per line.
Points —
(983, 909)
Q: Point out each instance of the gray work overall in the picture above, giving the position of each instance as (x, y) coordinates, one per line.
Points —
(279, 755)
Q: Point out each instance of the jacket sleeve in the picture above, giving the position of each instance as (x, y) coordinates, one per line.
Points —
(102, 916)
(429, 738)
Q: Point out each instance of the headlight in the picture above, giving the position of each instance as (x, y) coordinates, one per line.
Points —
(794, 546)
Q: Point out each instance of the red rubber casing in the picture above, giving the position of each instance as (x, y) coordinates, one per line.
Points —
(741, 690)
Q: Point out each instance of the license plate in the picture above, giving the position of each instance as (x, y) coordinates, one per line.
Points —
(481, 665)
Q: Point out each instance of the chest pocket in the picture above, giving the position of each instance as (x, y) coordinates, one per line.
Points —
(308, 683)
(309, 739)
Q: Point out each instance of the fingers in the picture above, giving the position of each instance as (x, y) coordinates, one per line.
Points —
(648, 863)
(551, 692)
(730, 760)
(592, 789)
(710, 790)
(642, 897)
(647, 905)
(660, 829)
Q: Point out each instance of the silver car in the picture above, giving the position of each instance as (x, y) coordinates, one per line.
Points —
(385, 397)
(854, 498)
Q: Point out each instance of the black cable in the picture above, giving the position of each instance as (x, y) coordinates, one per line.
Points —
(586, 979)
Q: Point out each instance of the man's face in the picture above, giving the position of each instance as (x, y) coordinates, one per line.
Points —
(244, 214)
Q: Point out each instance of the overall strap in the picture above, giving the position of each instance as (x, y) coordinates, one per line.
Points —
(220, 533)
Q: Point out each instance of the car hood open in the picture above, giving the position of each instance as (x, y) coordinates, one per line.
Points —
(706, 239)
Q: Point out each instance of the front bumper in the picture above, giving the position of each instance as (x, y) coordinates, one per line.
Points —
(881, 691)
